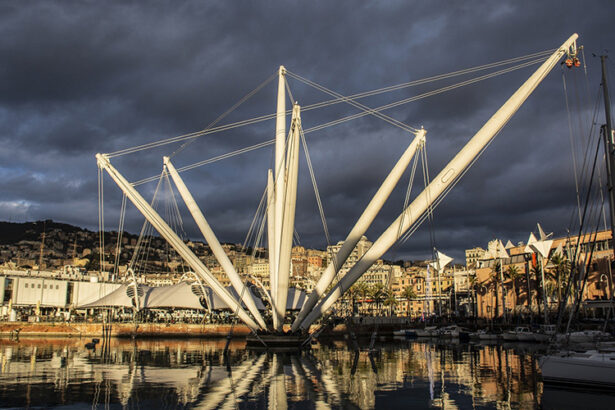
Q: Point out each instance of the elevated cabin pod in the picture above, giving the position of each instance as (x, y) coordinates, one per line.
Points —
(281, 201)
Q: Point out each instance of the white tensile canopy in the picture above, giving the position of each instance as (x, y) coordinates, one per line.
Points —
(295, 300)
(183, 295)
(120, 297)
(179, 295)
(216, 303)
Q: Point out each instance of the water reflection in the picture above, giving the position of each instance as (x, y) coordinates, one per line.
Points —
(196, 374)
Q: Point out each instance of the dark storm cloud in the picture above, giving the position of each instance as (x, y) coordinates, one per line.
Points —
(78, 78)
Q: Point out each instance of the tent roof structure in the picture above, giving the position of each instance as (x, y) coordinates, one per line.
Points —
(183, 295)
(180, 295)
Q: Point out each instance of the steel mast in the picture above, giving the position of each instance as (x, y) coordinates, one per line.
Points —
(175, 241)
(360, 227)
(275, 223)
(609, 147)
(288, 217)
(244, 294)
(450, 173)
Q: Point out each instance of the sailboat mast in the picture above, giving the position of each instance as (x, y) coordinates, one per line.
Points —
(609, 148)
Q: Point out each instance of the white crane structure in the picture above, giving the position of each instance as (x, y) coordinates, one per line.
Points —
(445, 179)
(281, 199)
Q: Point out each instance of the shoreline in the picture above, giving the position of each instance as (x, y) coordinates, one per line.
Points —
(163, 330)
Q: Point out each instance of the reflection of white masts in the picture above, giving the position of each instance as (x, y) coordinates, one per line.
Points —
(244, 383)
(214, 244)
(223, 391)
(277, 387)
(451, 172)
(361, 226)
(325, 384)
(175, 241)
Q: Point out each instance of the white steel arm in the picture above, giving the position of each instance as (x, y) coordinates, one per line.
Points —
(360, 227)
(439, 184)
(244, 294)
(288, 218)
(271, 241)
(279, 181)
(175, 241)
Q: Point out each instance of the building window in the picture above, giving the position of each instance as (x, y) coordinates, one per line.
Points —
(25, 286)
(39, 286)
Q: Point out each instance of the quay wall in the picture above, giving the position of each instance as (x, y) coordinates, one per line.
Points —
(163, 330)
(25, 329)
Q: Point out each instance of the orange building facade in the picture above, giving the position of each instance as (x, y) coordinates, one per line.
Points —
(522, 276)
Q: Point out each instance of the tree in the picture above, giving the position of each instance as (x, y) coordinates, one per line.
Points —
(362, 291)
(378, 293)
(514, 275)
(473, 285)
(495, 280)
(561, 267)
(409, 294)
(390, 301)
(535, 271)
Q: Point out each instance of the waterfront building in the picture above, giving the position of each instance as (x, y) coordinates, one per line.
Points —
(315, 258)
(362, 246)
(523, 282)
(432, 293)
(473, 256)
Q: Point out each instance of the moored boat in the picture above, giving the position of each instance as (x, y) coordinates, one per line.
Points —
(449, 332)
(592, 368)
(486, 335)
(521, 334)
(584, 336)
(428, 331)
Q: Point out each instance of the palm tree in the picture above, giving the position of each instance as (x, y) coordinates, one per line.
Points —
(378, 293)
(535, 271)
(390, 301)
(496, 270)
(352, 294)
(473, 286)
(363, 291)
(561, 267)
(514, 275)
(409, 294)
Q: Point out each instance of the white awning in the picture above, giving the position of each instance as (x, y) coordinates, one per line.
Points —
(183, 295)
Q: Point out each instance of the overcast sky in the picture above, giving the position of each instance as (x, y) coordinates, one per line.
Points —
(77, 78)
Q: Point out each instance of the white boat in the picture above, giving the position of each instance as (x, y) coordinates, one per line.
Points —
(405, 333)
(584, 336)
(545, 333)
(591, 367)
(449, 332)
(521, 334)
(484, 335)
(509, 336)
(428, 331)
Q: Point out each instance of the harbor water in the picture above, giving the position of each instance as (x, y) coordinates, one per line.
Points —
(195, 373)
